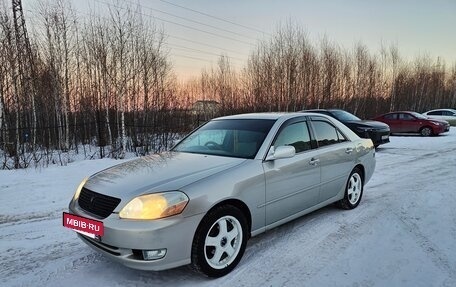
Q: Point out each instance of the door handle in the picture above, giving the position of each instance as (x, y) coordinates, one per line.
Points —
(349, 150)
(314, 161)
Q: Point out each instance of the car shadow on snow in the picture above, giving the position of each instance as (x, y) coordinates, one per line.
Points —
(254, 255)
(418, 135)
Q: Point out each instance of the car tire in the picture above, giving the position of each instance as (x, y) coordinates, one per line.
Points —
(353, 190)
(426, 131)
(219, 241)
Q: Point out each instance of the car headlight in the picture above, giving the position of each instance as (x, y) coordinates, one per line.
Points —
(364, 129)
(364, 132)
(436, 123)
(155, 205)
(80, 186)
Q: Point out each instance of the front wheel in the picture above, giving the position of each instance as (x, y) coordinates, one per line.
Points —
(353, 190)
(426, 131)
(219, 241)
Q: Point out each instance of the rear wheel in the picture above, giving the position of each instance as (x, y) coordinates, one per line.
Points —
(353, 190)
(219, 241)
(426, 131)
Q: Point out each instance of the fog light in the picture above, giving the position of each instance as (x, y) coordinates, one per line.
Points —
(154, 254)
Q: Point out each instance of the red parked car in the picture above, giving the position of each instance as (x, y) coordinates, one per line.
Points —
(412, 122)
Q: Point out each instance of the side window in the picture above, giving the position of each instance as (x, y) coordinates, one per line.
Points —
(406, 117)
(296, 135)
(325, 133)
(435, 113)
(447, 113)
(390, 117)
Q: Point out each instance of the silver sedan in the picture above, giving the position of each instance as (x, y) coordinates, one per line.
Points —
(233, 178)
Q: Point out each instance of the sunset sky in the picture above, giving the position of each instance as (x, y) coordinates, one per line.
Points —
(234, 27)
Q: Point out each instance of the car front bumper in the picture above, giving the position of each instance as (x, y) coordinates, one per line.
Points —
(441, 129)
(124, 240)
(379, 137)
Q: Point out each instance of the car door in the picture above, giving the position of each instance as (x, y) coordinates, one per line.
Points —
(435, 115)
(409, 124)
(448, 116)
(393, 122)
(337, 157)
(292, 184)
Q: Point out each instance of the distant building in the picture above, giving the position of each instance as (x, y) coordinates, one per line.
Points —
(206, 109)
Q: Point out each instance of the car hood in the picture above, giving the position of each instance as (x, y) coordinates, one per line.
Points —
(368, 124)
(159, 172)
(438, 120)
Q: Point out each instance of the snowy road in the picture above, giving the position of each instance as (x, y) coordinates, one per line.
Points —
(402, 234)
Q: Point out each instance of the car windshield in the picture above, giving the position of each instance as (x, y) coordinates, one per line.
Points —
(344, 116)
(418, 116)
(231, 137)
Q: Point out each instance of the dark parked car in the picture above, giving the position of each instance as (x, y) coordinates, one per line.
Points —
(412, 122)
(378, 132)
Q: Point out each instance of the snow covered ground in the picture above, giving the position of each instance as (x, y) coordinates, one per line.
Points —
(402, 234)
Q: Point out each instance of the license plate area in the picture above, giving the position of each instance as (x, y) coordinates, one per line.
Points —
(89, 227)
(385, 137)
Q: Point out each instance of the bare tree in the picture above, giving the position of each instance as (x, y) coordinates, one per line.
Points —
(107, 81)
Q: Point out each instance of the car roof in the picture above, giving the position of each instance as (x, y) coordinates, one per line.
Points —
(397, 112)
(314, 110)
(267, 116)
(451, 110)
(256, 116)
(322, 110)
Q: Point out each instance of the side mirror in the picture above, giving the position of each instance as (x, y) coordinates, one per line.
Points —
(281, 152)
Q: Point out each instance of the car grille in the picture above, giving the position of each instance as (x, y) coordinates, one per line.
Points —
(98, 204)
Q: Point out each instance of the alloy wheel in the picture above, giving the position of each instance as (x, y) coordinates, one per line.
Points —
(354, 188)
(223, 242)
(426, 132)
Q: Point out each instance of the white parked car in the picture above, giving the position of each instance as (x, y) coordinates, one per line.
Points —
(448, 115)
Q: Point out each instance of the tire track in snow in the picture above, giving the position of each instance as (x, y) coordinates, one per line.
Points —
(434, 252)
(317, 242)
(26, 218)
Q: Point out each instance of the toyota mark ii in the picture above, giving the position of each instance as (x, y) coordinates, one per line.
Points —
(232, 178)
